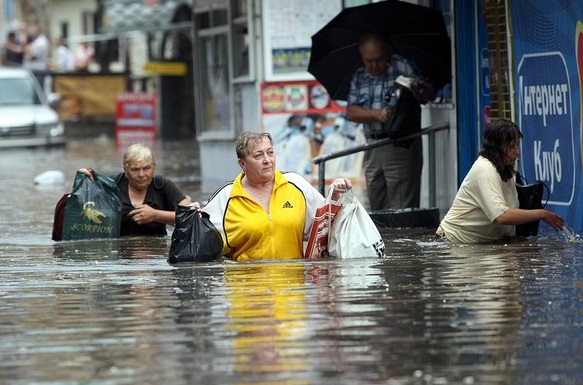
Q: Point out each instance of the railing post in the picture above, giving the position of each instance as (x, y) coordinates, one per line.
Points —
(432, 169)
(322, 176)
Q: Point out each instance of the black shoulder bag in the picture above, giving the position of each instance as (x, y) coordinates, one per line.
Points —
(530, 197)
(405, 117)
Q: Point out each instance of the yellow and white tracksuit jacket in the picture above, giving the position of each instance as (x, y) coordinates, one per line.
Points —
(250, 233)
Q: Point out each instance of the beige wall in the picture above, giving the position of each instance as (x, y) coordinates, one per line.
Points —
(71, 12)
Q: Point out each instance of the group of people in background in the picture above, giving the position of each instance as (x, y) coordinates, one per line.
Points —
(31, 48)
(65, 60)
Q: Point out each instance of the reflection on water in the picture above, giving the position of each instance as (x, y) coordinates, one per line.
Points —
(267, 313)
(115, 312)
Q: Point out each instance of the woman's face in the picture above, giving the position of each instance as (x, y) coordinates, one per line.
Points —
(512, 151)
(259, 165)
(140, 174)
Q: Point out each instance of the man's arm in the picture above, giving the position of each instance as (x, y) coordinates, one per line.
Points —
(360, 114)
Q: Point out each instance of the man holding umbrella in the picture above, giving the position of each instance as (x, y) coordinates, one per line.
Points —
(392, 172)
(358, 57)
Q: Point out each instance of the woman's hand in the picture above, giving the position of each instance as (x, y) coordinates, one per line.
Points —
(143, 214)
(87, 171)
(196, 206)
(554, 220)
(340, 186)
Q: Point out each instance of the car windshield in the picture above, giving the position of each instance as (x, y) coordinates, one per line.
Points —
(18, 92)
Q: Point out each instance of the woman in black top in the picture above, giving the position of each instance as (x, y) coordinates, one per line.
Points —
(148, 201)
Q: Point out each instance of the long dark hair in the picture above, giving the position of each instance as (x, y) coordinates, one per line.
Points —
(498, 136)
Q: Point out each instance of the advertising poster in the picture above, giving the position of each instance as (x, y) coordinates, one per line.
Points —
(86, 96)
(547, 80)
(135, 119)
(305, 123)
(289, 26)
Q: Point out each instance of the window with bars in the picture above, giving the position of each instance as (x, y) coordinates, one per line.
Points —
(500, 97)
(212, 29)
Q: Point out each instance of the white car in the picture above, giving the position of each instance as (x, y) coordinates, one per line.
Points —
(26, 116)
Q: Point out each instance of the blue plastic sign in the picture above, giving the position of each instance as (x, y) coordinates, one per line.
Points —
(545, 118)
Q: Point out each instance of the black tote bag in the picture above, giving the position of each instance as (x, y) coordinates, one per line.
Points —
(530, 197)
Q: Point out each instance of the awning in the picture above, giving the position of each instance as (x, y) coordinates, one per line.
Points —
(141, 15)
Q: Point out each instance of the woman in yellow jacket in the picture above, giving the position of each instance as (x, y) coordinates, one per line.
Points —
(264, 213)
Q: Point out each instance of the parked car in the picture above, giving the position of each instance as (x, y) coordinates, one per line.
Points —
(27, 119)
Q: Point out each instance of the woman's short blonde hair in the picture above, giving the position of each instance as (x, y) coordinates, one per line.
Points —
(138, 153)
(246, 138)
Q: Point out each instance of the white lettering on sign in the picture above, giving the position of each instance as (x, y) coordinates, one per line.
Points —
(544, 99)
(547, 164)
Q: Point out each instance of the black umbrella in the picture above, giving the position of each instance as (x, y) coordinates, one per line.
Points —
(413, 31)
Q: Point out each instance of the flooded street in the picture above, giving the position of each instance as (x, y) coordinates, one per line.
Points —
(115, 312)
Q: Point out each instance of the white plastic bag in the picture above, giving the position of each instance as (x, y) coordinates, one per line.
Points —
(353, 233)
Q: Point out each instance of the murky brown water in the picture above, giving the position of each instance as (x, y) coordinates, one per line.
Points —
(114, 312)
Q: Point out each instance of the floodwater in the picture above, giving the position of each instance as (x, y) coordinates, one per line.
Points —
(115, 312)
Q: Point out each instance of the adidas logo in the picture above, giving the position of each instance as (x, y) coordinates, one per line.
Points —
(287, 205)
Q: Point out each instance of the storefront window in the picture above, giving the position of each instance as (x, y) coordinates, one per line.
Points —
(241, 51)
(213, 18)
(239, 8)
(214, 83)
(241, 41)
(212, 64)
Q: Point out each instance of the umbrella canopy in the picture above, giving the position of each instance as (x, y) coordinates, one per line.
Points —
(413, 31)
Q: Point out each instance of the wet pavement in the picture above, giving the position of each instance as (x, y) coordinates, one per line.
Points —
(115, 312)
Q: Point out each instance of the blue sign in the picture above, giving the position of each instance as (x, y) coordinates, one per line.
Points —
(547, 50)
(546, 120)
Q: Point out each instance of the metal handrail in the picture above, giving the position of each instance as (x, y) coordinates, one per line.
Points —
(322, 159)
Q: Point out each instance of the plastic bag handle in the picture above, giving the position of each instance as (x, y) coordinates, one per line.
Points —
(548, 193)
(329, 202)
(340, 201)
